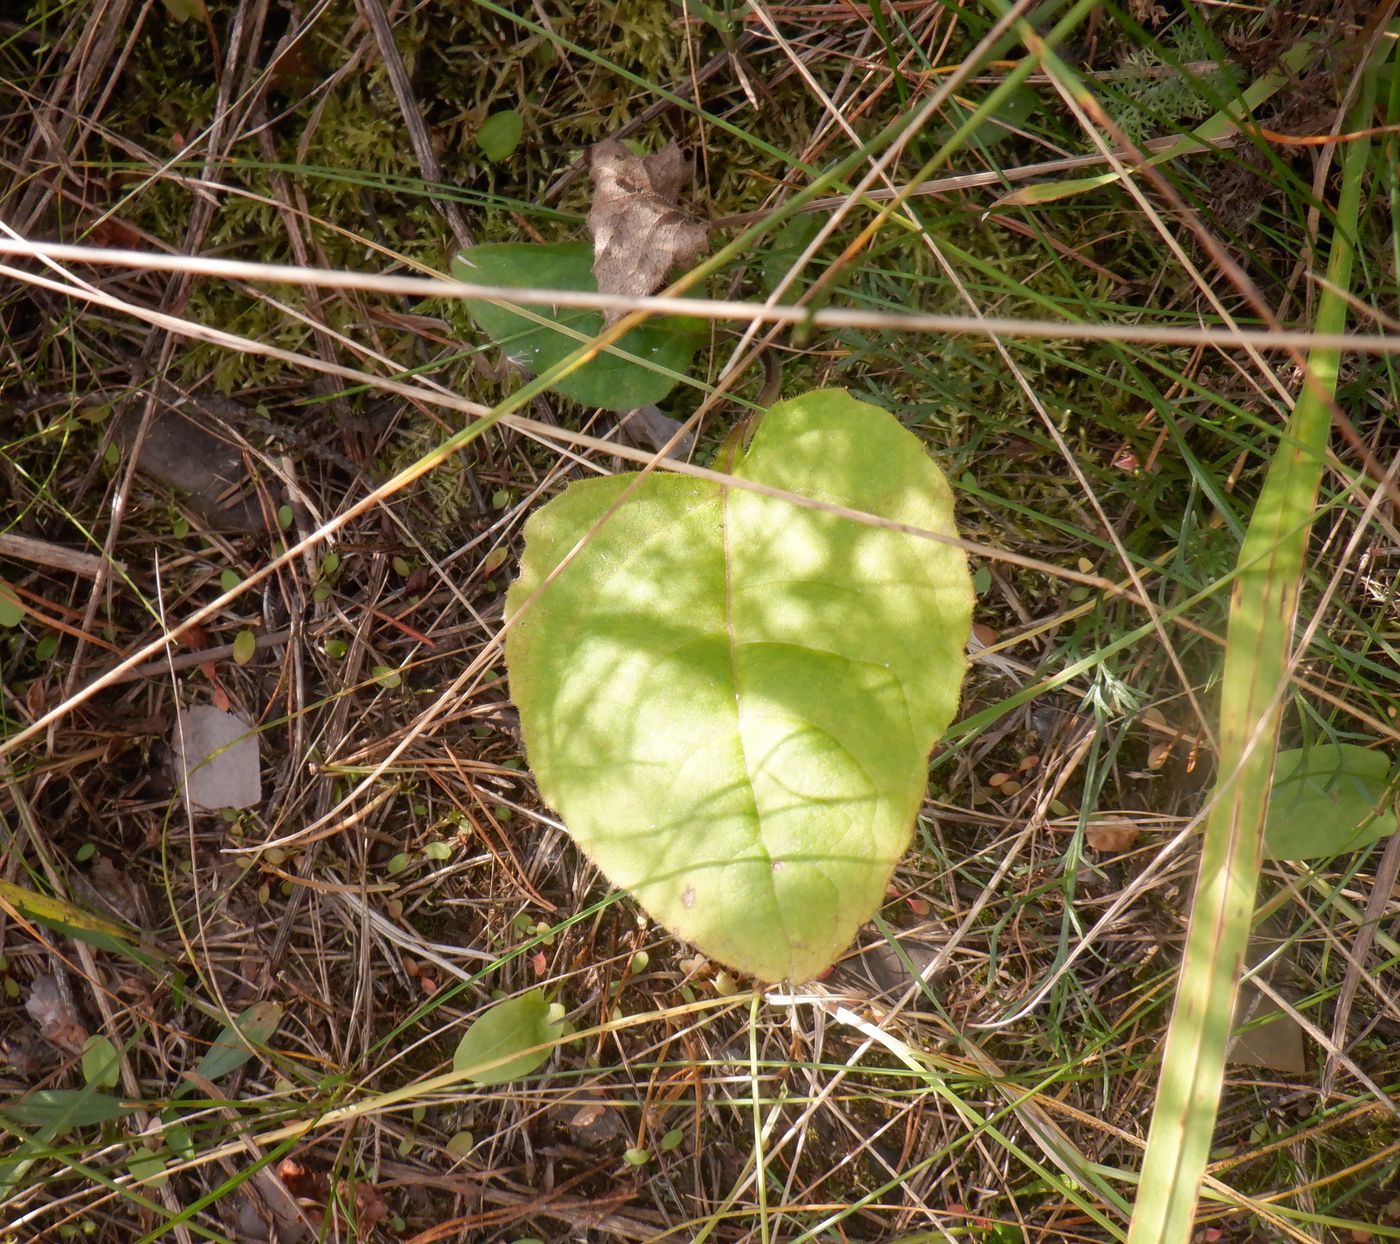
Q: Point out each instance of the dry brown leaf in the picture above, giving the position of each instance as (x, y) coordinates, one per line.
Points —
(639, 234)
(313, 1189)
(51, 1006)
(1160, 750)
(1112, 834)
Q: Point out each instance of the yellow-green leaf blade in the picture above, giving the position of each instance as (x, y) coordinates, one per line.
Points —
(1263, 608)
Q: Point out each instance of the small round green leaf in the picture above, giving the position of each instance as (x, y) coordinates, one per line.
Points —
(500, 134)
(528, 336)
(637, 1157)
(1326, 800)
(508, 1028)
(148, 1168)
(101, 1062)
(730, 698)
(245, 644)
(671, 1140)
(11, 611)
(229, 579)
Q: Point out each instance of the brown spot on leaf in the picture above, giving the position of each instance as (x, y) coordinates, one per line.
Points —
(639, 234)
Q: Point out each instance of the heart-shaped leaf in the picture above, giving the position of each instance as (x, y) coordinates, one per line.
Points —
(610, 380)
(509, 1027)
(731, 698)
(1327, 799)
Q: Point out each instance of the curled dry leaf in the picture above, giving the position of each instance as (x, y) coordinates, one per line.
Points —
(1112, 834)
(52, 1008)
(314, 1192)
(639, 234)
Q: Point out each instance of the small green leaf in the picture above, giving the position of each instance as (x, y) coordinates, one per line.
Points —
(149, 1168)
(186, 10)
(461, 1144)
(284, 516)
(240, 1040)
(330, 563)
(671, 1140)
(46, 647)
(63, 1108)
(784, 251)
(438, 851)
(11, 611)
(229, 580)
(336, 649)
(637, 1157)
(85, 852)
(527, 336)
(1326, 800)
(720, 21)
(981, 580)
(731, 699)
(725, 985)
(401, 567)
(508, 1028)
(180, 527)
(500, 135)
(178, 1139)
(397, 863)
(245, 645)
(387, 677)
(101, 1062)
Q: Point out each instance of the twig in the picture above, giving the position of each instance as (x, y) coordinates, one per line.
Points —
(44, 553)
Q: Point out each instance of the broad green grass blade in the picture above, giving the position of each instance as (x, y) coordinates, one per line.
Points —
(1263, 607)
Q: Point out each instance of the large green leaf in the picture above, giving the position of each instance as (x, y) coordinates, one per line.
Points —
(1326, 800)
(610, 380)
(730, 698)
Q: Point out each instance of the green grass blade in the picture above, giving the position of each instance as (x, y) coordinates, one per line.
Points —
(1211, 131)
(1263, 607)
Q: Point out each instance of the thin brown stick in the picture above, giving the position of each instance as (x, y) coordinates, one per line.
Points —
(46, 553)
